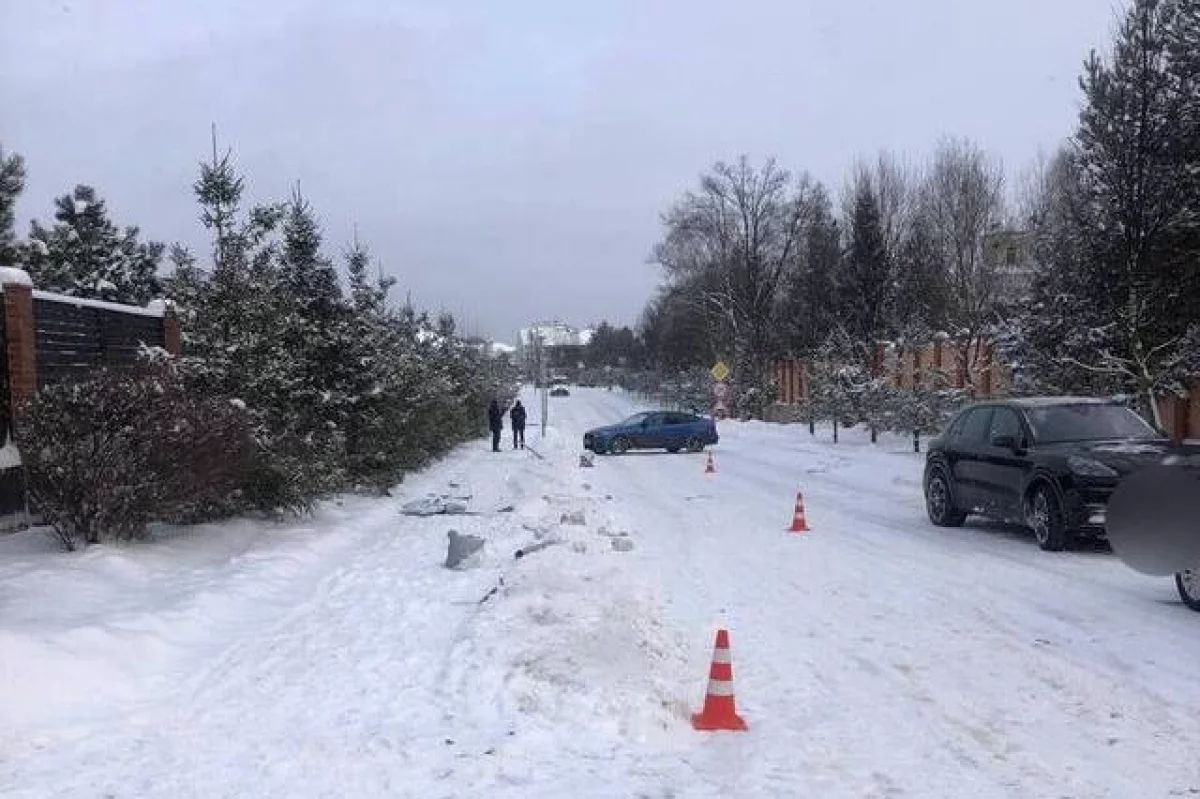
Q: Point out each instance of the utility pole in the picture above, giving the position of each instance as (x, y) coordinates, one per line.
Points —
(541, 377)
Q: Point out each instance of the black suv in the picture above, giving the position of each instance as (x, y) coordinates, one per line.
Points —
(1047, 463)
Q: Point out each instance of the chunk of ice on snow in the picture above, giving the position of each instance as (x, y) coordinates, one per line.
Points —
(463, 551)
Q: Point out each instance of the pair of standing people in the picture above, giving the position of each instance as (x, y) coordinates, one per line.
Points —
(496, 422)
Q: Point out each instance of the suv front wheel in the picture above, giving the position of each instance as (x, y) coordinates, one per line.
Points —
(939, 500)
(1046, 518)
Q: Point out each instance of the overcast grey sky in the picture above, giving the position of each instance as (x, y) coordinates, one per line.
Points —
(507, 160)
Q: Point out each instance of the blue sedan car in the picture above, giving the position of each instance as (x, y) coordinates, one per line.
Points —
(669, 430)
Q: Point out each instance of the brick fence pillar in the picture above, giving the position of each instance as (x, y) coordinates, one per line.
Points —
(20, 344)
(171, 332)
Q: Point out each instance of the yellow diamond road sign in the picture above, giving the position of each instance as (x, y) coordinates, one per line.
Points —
(720, 372)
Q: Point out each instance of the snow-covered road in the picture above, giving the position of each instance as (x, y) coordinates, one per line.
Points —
(875, 656)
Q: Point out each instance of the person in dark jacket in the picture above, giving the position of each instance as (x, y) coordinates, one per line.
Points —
(517, 414)
(496, 422)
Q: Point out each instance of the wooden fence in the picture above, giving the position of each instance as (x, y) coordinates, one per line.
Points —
(974, 365)
(50, 338)
(963, 364)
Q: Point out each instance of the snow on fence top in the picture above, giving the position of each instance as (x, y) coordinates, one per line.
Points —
(154, 309)
(11, 276)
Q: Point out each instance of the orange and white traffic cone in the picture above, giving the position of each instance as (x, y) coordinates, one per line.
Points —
(799, 523)
(719, 712)
(710, 467)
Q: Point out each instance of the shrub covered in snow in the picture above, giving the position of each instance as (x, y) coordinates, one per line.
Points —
(109, 454)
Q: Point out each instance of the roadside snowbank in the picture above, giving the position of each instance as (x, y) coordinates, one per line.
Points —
(94, 633)
(141, 669)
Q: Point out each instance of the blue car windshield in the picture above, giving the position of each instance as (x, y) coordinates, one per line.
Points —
(635, 420)
(1057, 424)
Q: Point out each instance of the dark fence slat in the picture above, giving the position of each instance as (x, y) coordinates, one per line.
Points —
(72, 341)
(78, 325)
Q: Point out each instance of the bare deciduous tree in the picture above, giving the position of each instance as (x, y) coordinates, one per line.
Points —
(962, 199)
(894, 182)
(732, 242)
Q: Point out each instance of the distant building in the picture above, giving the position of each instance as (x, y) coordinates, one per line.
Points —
(559, 346)
(1010, 252)
(501, 350)
(492, 349)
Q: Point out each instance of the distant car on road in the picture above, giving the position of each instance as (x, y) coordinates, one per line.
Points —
(560, 391)
(669, 430)
(1047, 463)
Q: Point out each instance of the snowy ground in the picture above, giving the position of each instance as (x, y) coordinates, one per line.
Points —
(876, 656)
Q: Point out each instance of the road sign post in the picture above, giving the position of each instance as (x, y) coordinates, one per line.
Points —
(720, 373)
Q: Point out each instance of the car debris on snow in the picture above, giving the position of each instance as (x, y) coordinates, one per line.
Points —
(537, 546)
(576, 518)
(463, 551)
(495, 589)
(435, 505)
(446, 505)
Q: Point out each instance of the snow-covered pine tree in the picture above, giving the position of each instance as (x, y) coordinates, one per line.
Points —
(840, 378)
(12, 183)
(925, 408)
(865, 280)
(1183, 70)
(236, 312)
(922, 290)
(1024, 362)
(237, 343)
(184, 285)
(809, 304)
(316, 380)
(1132, 215)
(372, 450)
(84, 254)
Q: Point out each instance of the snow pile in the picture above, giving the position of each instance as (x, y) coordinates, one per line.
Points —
(90, 634)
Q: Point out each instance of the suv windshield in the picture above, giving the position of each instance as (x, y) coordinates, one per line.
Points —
(1062, 423)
